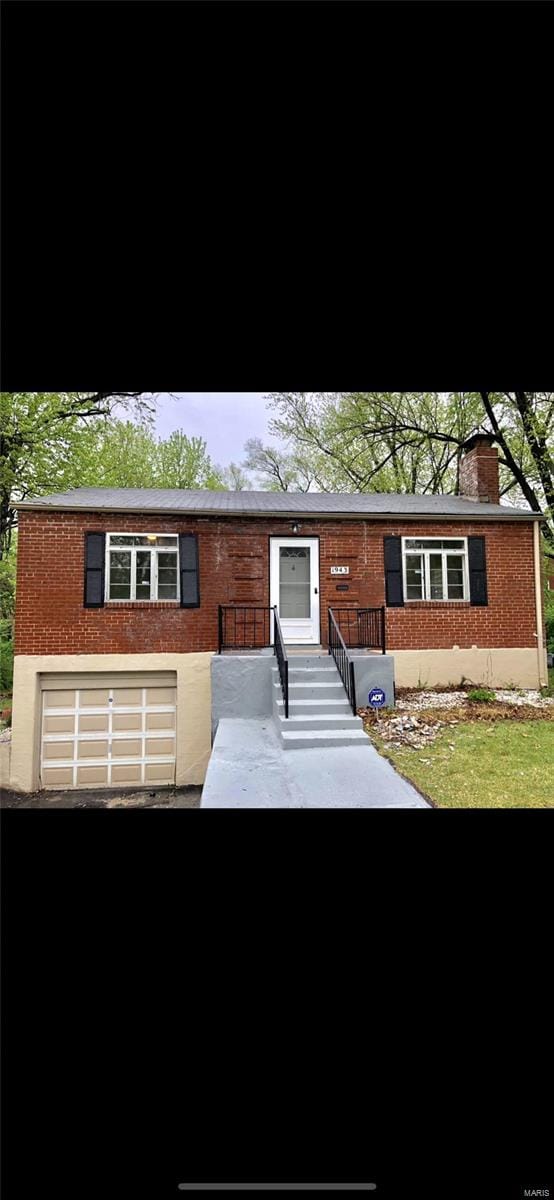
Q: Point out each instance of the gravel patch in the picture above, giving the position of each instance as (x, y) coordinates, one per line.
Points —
(418, 701)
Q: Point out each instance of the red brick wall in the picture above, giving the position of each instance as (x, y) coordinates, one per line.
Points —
(234, 569)
(479, 473)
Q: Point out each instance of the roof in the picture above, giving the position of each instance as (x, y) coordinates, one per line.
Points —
(294, 504)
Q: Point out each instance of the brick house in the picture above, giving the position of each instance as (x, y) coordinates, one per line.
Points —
(124, 596)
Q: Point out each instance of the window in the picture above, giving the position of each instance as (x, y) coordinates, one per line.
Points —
(142, 566)
(435, 569)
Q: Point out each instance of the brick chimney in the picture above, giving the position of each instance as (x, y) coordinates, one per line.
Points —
(479, 469)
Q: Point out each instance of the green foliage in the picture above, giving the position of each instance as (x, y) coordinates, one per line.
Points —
(43, 442)
(549, 621)
(6, 655)
(481, 696)
(412, 441)
(7, 609)
(54, 441)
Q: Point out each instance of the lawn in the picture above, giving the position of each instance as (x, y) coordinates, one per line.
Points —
(482, 764)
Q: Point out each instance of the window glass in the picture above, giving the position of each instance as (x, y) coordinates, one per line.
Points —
(120, 575)
(433, 544)
(414, 577)
(143, 539)
(143, 574)
(167, 576)
(435, 576)
(455, 573)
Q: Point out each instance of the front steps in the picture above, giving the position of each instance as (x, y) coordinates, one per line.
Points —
(319, 709)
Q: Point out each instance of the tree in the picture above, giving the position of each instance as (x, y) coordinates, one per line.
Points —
(234, 478)
(412, 441)
(39, 432)
(278, 471)
(183, 462)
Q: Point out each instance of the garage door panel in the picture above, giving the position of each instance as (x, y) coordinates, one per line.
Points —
(124, 773)
(159, 773)
(158, 746)
(59, 724)
(157, 720)
(103, 747)
(60, 750)
(88, 775)
(95, 698)
(57, 776)
(126, 722)
(127, 749)
(59, 699)
(160, 695)
(92, 749)
(99, 723)
(127, 696)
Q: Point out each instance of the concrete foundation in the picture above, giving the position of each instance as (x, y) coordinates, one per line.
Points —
(373, 671)
(241, 686)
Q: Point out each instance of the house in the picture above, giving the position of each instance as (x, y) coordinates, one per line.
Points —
(125, 596)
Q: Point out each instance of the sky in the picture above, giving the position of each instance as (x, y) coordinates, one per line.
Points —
(224, 419)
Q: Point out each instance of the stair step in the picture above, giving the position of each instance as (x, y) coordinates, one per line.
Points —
(318, 721)
(305, 739)
(338, 707)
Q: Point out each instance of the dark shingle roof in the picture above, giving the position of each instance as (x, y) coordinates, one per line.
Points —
(307, 504)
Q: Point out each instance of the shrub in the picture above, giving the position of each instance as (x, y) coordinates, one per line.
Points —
(550, 628)
(6, 656)
(481, 696)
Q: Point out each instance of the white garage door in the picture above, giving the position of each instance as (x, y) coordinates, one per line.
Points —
(108, 736)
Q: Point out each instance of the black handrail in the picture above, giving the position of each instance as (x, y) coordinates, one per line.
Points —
(340, 654)
(239, 627)
(362, 627)
(282, 660)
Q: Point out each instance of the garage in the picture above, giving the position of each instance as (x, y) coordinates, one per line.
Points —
(108, 730)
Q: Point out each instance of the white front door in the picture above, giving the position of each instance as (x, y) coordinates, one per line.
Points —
(294, 588)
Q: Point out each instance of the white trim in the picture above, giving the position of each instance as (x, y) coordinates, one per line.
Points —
(311, 623)
(97, 736)
(153, 551)
(76, 739)
(90, 710)
(541, 648)
(426, 598)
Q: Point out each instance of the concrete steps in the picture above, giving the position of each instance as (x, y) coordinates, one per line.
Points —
(319, 721)
(319, 710)
(309, 738)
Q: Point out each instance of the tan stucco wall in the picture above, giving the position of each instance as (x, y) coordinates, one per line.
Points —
(193, 707)
(497, 668)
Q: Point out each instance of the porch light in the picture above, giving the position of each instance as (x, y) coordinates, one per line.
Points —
(295, 527)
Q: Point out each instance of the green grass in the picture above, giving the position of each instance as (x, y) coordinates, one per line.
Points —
(497, 764)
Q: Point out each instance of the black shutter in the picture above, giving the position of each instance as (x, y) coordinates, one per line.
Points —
(95, 558)
(393, 572)
(188, 559)
(477, 570)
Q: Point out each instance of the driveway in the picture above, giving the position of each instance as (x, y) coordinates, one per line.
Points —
(162, 798)
(250, 769)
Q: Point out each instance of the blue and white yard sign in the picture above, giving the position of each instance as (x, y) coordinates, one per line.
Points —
(377, 698)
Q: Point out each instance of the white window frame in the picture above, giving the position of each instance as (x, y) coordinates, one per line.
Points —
(132, 550)
(425, 554)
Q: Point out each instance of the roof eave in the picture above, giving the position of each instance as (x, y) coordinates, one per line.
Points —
(287, 514)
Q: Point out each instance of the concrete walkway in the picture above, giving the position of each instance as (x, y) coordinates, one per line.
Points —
(250, 769)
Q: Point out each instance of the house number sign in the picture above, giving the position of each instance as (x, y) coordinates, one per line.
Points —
(340, 570)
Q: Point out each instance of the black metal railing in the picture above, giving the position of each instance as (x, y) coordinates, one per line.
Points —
(345, 668)
(282, 660)
(362, 628)
(244, 627)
